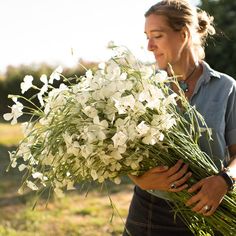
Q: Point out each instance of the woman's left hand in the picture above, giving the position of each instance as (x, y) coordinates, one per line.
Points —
(210, 192)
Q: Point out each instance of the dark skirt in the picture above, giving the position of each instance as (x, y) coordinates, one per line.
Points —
(153, 216)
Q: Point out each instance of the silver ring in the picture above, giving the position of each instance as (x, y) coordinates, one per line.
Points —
(173, 186)
(206, 208)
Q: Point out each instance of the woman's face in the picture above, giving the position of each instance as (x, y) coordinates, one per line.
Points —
(166, 44)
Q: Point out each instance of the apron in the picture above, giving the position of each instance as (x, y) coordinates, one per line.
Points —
(153, 216)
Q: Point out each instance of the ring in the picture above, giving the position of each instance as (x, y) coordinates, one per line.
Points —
(173, 186)
(206, 208)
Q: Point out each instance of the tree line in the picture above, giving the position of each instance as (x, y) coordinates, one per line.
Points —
(14, 75)
(221, 49)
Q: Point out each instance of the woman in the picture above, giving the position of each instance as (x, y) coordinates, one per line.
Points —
(176, 34)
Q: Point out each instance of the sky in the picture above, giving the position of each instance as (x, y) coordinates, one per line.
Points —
(35, 31)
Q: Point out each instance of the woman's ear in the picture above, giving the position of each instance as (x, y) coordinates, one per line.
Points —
(185, 33)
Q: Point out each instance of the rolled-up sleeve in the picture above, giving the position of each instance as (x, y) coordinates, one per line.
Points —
(230, 119)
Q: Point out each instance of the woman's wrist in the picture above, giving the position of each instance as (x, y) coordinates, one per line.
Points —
(228, 178)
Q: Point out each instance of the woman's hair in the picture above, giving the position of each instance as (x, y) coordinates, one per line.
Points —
(179, 14)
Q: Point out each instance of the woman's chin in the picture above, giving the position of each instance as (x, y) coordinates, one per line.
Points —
(161, 66)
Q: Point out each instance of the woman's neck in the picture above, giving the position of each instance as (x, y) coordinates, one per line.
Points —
(185, 67)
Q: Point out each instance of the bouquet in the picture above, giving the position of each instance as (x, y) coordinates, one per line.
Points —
(122, 118)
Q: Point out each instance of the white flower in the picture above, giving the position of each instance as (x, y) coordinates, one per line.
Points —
(44, 79)
(123, 103)
(22, 167)
(119, 139)
(55, 74)
(26, 128)
(135, 165)
(24, 151)
(16, 112)
(12, 159)
(113, 71)
(39, 175)
(72, 146)
(82, 98)
(147, 72)
(142, 128)
(102, 66)
(152, 95)
(43, 90)
(94, 174)
(90, 111)
(109, 90)
(152, 137)
(161, 76)
(161, 137)
(132, 131)
(121, 124)
(164, 121)
(56, 98)
(171, 99)
(117, 180)
(40, 98)
(26, 84)
(31, 185)
(102, 124)
(86, 150)
(116, 155)
(111, 44)
(95, 133)
(123, 76)
(89, 74)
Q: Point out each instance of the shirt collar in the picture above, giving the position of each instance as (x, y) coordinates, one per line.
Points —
(209, 73)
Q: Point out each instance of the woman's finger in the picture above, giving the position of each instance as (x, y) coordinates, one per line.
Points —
(180, 182)
(180, 174)
(175, 168)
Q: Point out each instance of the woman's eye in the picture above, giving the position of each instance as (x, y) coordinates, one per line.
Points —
(157, 37)
(154, 37)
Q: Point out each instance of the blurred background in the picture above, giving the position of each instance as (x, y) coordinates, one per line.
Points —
(39, 35)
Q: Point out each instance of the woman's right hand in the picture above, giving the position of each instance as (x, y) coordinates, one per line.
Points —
(164, 178)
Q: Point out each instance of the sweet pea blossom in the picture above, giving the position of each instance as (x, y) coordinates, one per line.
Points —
(27, 83)
(142, 128)
(43, 90)
(55, 74)
(16, 112)
(119, 139)
(89, 74)
(123, 103)
(31, 185)
(90, 111)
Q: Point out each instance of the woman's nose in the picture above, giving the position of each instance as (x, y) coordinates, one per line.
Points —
(151, 45)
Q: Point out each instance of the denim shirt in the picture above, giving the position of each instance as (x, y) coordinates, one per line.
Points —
(214, 97)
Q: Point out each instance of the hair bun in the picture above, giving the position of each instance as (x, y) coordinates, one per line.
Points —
(205, 23)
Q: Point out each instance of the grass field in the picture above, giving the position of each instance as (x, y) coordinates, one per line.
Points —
(74, 215)
(9, 134)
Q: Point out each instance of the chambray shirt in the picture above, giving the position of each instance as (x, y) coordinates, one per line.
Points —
(214, 97)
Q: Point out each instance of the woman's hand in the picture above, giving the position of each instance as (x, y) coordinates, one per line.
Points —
(210, 192)
(171, 179)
